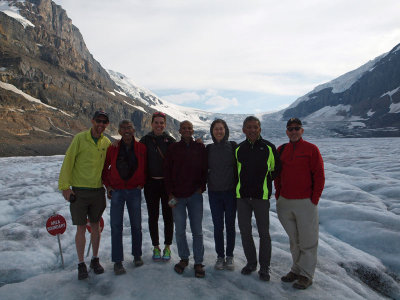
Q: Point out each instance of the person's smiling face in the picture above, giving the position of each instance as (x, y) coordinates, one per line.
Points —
(252, 130)
(218, 131)
(99, 125)
(127, 131)
(186, 130)
(294, 132)
(158, 125)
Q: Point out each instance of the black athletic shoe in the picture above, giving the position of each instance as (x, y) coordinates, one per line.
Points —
(263, 273)
(119, 268)
(82, 271)
(248, 269)
(95, 266)
(138, 262)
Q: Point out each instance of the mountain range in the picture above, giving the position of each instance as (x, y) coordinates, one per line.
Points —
(50, 86)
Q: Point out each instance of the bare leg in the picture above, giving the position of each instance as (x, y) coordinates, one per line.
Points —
(95, 237)
(80, 241)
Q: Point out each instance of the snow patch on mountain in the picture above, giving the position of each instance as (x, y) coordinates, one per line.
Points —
(13, 12)
(200, 119)
(391, 93)
(14, 89)
(342, 83)
(332, 113)
(394, 108)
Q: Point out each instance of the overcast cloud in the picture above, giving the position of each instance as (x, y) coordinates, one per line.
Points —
(281, 50)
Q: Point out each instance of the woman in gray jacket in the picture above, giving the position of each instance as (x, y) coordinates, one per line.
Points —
(221, 184)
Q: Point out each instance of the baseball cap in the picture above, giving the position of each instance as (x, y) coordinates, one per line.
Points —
(293, 121)
(100, 113)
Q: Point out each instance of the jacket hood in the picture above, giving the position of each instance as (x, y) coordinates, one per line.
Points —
(226, 136)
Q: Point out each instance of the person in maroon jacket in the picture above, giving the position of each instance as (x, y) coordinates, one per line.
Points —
(124, 177)
(185, 181)
(298, 189)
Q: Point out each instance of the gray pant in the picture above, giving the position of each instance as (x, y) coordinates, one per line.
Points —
(299, 218)
(245, 208)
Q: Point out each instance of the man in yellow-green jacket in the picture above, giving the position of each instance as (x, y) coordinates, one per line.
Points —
(81, 185)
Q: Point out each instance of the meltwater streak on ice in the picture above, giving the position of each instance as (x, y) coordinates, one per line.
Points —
(359, 237)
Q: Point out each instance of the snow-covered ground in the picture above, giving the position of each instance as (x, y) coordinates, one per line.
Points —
(359, 246)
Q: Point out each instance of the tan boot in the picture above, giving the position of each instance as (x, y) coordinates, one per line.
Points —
(302, 283)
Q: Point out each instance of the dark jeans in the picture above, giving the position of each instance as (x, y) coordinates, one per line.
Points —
(223, 206)
(154, 190)
(260, 207)
(133, 203)
(193, 207)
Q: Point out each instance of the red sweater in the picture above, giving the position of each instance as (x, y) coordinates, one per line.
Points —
(111, 175)
(302, 175)
(185, 169)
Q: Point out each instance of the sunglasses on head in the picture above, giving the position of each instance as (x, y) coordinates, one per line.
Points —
(98, 121)
(290, 129)
(159, 114)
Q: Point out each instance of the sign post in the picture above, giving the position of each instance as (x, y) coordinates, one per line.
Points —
(57, 225)
(89, 228)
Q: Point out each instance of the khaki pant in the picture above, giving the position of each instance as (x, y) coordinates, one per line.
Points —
(299, 218)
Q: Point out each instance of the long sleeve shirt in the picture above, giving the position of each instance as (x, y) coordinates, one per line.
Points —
(302, 175)
(83, 162)
(185, 169)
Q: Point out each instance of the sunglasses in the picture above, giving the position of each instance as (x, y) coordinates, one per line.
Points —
(290, 129)
(98, 121)
(159, 114)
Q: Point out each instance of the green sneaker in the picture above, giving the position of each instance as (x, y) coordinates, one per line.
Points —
(156, 254)
(166, 254)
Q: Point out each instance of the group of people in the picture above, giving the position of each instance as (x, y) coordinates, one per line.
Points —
(239, 180)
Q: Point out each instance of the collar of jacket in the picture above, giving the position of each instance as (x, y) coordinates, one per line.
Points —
(258, 139)
(296, 143)
(89, 135)
(164, 134)
(184, 143)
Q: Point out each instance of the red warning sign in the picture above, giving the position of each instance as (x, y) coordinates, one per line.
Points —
(56, 225)
(89, 228)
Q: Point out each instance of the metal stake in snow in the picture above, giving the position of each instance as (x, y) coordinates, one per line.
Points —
(57, 225)
(89, 228)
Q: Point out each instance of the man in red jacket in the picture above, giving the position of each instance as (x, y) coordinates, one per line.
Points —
(124, 177)
(185, 181)
(298, 189)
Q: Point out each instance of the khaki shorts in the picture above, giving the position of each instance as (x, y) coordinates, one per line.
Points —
(90, 203)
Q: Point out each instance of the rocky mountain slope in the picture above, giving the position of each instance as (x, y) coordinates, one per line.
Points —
(50, 84)
(364, 102)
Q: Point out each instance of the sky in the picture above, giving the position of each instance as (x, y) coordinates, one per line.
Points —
(235, 56)
(359, 238)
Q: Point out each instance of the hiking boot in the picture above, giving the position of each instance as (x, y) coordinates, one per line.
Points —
(302, 283)
(199, 271)
(119, 268)
(248, 269)
(263, 273)
(181, 265)
(82, 271)
(229, 263)
(166, 254)
(156, 254)
(290, 277)
(219, 264)
(138, 261)
(96, 266)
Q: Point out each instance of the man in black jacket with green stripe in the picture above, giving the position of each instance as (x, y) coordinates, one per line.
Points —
(257, 163)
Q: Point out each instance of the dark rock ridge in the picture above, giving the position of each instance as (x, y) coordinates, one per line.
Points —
(372, 100)
(50, 62)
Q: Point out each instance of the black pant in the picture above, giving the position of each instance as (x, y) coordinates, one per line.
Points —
(154, 190)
